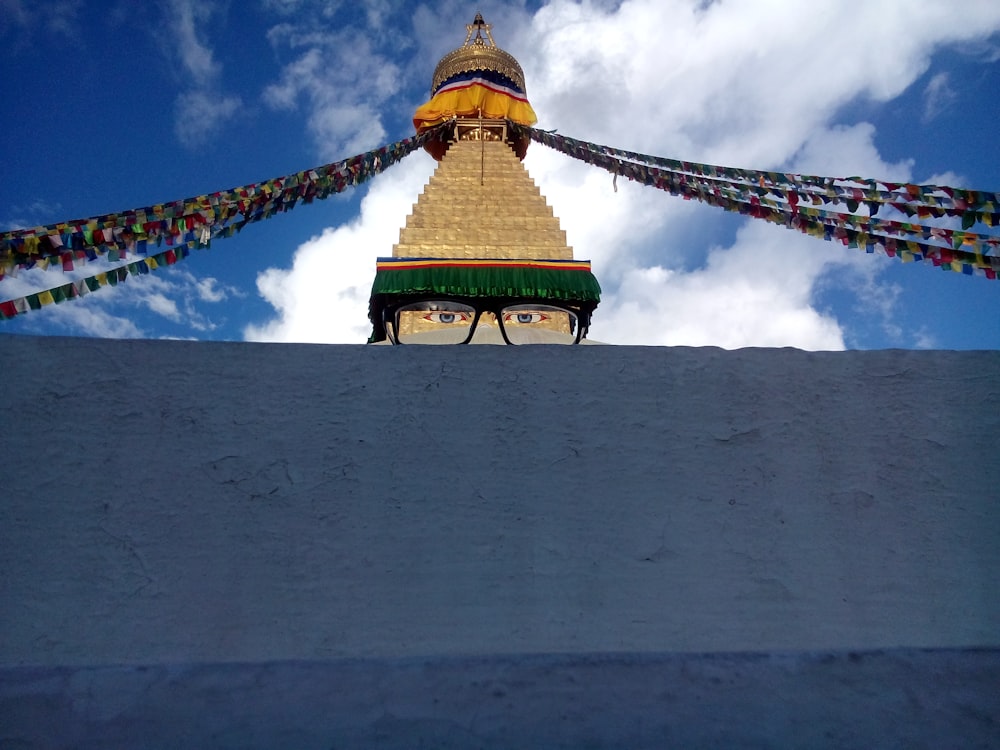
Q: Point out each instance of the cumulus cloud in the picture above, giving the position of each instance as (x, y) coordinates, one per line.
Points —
(724, 83)
(756, 85)
(747, 295)
(323, 298)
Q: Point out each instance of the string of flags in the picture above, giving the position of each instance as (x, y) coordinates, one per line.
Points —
(183, 225)
(825, 207)
(829, 208)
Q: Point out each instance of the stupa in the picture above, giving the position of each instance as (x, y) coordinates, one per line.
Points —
(482, 258)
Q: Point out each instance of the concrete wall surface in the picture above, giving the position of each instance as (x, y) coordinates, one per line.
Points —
(210, 503)
(899, 699)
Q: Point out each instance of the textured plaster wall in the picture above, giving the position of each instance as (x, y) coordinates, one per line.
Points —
(910, 700)
(175, 502)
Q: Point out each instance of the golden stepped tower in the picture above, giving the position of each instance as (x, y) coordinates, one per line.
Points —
(482, 203)
(481, 244)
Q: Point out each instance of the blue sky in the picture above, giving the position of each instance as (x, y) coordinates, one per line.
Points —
(113, 105)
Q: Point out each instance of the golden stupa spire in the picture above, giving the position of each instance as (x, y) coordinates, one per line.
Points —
(480, 232)
(476, 55)
(477, 27)
(480, 202)
(477, 80)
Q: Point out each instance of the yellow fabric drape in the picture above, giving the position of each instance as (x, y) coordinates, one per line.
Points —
(469, 101)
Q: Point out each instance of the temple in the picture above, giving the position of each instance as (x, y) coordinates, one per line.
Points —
(240, 545)
(482, 258)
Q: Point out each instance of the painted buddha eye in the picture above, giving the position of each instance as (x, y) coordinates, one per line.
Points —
(447, 318)
(524, 317)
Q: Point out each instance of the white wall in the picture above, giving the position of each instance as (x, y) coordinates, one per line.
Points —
(196, 503)
(169, 501)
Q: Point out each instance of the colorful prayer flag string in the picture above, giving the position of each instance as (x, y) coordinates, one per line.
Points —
(848, 189)
(206, 215)
(791, 200)
(182, 225)
(83, 286)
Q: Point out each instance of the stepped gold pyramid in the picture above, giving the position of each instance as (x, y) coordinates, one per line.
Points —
(481, 203)
(481, 243)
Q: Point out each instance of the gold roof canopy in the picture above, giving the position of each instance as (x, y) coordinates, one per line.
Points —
(478, 53)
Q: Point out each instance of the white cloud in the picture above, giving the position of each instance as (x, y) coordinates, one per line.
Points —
(730, 83)
(323, 298)
(284, 7)
(197, 58)
(377, 11)
(173, 294)
(209, 290)
(938, 96)
(180, 296)
(925, 340)
(345, 82)
(756, 292)
(201, 108)
(755, 85)
(200, 113)
(81, 319)
(88, 317)
(163, 305)
(847, 151)
(34, 214)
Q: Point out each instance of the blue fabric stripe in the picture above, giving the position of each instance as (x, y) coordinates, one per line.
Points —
(488, 75)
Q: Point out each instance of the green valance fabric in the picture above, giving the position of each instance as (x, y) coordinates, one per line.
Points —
(565, 281)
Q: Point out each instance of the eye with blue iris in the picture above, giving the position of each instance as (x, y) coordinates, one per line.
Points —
(524, 317)
(447, 318)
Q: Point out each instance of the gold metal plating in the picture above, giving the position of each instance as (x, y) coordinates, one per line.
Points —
(481, 203)
(477, 54)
